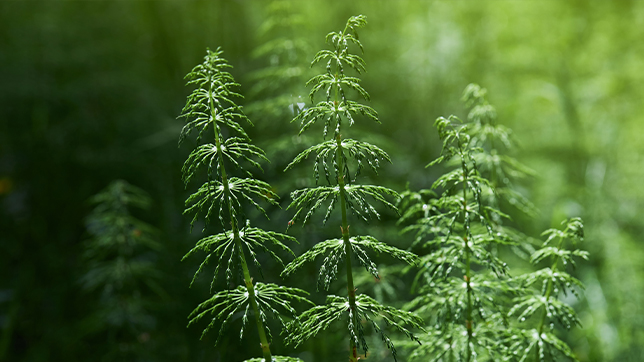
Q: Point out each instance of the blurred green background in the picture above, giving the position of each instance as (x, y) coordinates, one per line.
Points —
(90, 92)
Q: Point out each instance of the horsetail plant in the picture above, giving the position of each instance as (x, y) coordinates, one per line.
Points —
(277, 92)
(211, 108)
(462, 229)
(120, 259)
(495, 163)
(539, 304)
(332, 157)
(461, 281)
(492, 144)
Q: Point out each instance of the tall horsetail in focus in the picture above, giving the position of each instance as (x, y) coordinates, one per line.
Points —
(335, 158)
(212, 112)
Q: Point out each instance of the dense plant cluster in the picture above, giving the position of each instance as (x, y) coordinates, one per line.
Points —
(460, 282)
(85, 102)
(464, 289)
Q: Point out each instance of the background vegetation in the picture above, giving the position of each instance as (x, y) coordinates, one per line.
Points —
(90, 92)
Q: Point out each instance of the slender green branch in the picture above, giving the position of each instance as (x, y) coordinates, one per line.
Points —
(549, 286)
(545, 345)
(555, 264)
(466, 237)
(248, 281)
(353, 322)
(353, 354)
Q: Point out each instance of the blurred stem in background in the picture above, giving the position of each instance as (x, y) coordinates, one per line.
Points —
(121, 269)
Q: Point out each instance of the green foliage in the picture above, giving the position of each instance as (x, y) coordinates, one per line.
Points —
(366, 308)
(499, 167)
(539, 306)
(463, 231)
(343, 192)
(331, 113)
(326, 151)
(210, 106)
(389, 286)
(463, 285)
(336, 253)
(216, 193)
(222, 247)
(120, 262)
(84, 102)
(276, 90)
(224, 305)
(355, 196)
(232, 148)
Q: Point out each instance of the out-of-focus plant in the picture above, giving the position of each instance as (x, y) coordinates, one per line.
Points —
(539, 305)
(277, 88)
(465, 292)
(120, 265)
(211, 108)
(332, 159)
(495, 163)
(492, 144)
(460, 279)
(277, 92)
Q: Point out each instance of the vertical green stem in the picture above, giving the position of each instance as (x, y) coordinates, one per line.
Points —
(548, 294)
(494, 248)
(353, 353)
(468, 318)
(353, 349)
(248, 281)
